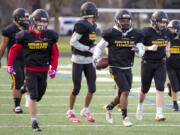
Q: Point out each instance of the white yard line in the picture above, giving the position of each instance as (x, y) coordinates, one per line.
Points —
(59, 105)
(47, 97)
(54, 114)
(100, 125)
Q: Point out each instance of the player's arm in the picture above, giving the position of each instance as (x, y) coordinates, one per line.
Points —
(99, 48)
(76, 44)
(151, 48)
(54, 56)
(3, 47)
(168, 50)
(14, 51)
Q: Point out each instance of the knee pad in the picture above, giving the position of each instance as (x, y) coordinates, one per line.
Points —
(92, 91)
(75, 92)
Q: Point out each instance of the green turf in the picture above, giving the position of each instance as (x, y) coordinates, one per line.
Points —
(52, 109)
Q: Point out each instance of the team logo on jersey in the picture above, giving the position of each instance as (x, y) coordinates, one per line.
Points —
(160, 42)
(124, 43)
(175, 49)
(92, 36)
(38, 44)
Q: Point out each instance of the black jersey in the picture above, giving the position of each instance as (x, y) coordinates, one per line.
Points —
(152, 37)
(37, 47)
(88, 32)
(174, 59)
(120, 53)
(10, 32)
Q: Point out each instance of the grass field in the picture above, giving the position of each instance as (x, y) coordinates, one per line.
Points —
(52, 108)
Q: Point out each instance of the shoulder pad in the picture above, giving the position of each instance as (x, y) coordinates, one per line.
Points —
(106, 34)
(138, 31)
(53, 35)
(81, 26)
(20, 36)
(146, 30)
(7, 31)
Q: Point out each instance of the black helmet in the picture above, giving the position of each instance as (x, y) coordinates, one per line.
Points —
(20, 13)
(89, 9)
(123, 14)
(40, 15)
(176, 25)
(159, 16)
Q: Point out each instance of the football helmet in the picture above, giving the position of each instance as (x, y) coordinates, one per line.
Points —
(176, 25)
(21, 16)
(120, 21)
(89, 9)
(159, 17)
(39, 19)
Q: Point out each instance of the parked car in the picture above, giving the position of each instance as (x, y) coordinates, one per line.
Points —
(67, 23)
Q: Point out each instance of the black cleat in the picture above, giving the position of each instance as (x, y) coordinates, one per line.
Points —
(35, 127)
(176, 107)
(18, 109)
(169, 89)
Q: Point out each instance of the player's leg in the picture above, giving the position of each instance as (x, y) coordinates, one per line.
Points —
(90, 74)
(32, 86)
(125, 86)
(160, 78)
(16, 85)
(146, 79)
(174, 76)
(76, 78)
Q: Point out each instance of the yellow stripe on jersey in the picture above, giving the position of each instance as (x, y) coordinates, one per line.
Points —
(14, 82)
(175, 50)
(110, 70)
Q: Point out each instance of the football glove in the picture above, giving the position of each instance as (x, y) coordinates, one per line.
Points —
(10, 70)
(52, 73)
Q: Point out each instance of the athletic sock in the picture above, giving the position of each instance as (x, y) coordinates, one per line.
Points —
(124, 113)
(175, 102)
(33, 119)
(110, 106)
(17, 101)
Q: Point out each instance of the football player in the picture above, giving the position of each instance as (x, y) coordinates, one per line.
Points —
(83, 42)
(40, 51)
(173, 65)
(153, 64)
(123, 43)
(20, 22)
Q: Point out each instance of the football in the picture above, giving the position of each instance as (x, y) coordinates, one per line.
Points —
(102, 63)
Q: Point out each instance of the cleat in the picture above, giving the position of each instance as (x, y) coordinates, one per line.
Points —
(139, 114)
(71, 116)
(108, 114)
(127, 122)
(86, 114)
(17, 109)
(169, 89)
(160, 117)
(35, 126)
(176, 107)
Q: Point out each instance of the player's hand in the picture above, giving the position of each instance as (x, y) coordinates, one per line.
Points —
(52, 73)
(10, 70)
(153, 48)
(135, 48)
(91, 49)
(94, 63)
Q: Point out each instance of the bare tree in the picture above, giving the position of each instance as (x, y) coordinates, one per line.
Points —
(157, 3)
